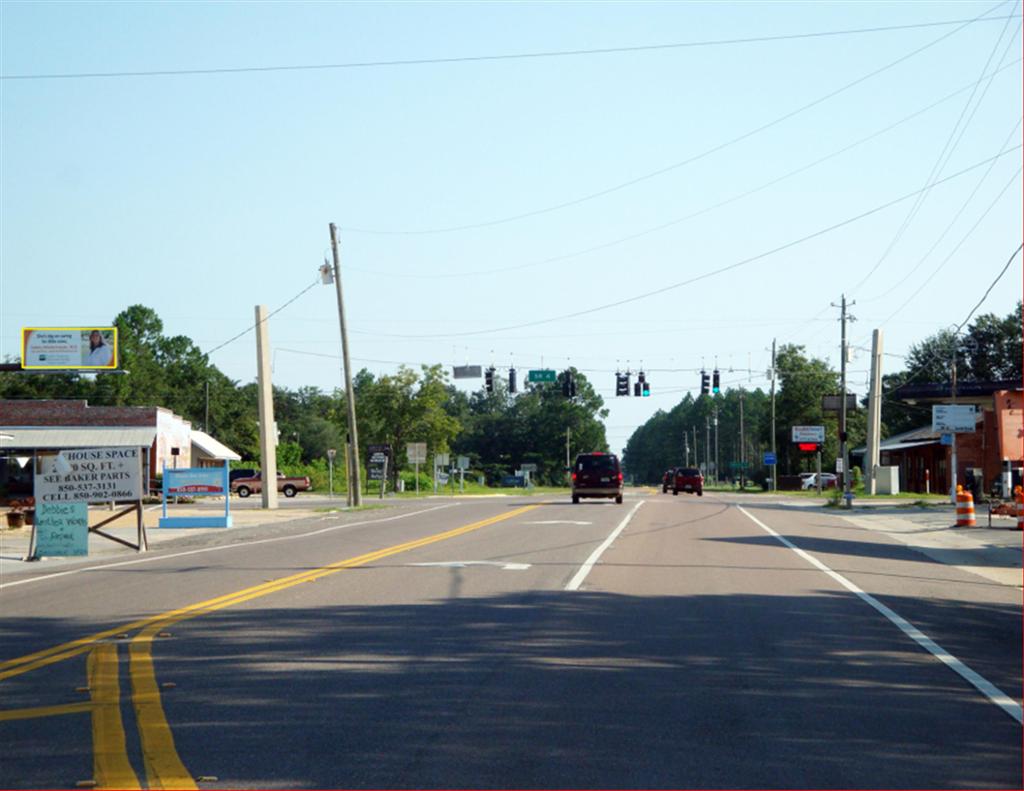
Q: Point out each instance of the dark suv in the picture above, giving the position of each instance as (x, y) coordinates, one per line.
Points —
(688, 479)
(597, 475)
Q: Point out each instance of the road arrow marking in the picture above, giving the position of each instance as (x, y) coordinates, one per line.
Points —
(461, 564)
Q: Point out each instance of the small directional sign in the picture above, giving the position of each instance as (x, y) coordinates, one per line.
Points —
(542, 375)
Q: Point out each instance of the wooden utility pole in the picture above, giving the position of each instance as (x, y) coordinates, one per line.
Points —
(843, 445)
(350, 395)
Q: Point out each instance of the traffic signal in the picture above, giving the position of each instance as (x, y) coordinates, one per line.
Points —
(646, 390)
(568, 385)
(705, 383)
(621, 384)
(715, 382)
(636, 389)
(512, 380)
(489, 379)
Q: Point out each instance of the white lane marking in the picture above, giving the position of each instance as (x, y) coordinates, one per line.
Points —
(461, 564)
(152, 558)
(558, 522)
(987, 688)
(577, 580)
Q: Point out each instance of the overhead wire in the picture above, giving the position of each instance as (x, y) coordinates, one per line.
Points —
(958, 245)
(676, 165)
(565, 53)
(247, 330)
(950, 225)
(692, 215)
(947, 151)
(721, 270)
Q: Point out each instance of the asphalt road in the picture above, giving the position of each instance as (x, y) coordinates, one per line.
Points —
(666, 642)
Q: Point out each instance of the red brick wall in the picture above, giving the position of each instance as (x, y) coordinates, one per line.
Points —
(73, 413)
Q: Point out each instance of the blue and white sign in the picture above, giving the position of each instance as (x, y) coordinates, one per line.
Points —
(946, 439)
(770, 459)
(61, 530)
(197, 482)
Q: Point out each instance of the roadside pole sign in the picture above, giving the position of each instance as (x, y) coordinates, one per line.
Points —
(416, 452)
(442, 459)
(462, 462)
(196, 482)
(953, 418)
(542, 375)
(528, 467)
(834, 403)
(839, 464)
(814, 434)
(770, 459)
(378, 454)
(946, 439)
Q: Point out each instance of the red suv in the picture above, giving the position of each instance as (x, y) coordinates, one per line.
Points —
(688, 479)
(597, 475)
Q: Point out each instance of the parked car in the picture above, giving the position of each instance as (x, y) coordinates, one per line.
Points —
(688, 479)
(597, 475)
(828, 481)
(667, 478)
(242, 472)
(243, 487)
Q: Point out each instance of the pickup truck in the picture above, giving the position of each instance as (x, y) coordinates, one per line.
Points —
(243, 487)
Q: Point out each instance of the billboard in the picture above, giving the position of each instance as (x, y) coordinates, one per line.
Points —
(91, 348)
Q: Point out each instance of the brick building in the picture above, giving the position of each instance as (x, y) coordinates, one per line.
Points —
(997, 439)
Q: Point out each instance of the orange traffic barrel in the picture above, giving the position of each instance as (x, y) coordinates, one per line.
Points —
(965, 508)
(1020, 507)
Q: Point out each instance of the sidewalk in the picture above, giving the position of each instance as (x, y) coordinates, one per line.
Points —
(992, 552)
(14, 543)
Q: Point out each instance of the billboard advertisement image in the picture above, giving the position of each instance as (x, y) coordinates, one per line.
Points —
(90, 348)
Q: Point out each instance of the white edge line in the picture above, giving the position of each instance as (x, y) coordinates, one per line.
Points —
(987, 688)
(153, 558)
(577, 580)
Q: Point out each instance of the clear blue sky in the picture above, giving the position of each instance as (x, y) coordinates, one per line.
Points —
(203, 195)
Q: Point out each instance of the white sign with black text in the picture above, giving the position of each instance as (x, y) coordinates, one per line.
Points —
(89, 475)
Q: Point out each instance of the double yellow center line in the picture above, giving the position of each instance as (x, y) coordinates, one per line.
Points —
(164, 768)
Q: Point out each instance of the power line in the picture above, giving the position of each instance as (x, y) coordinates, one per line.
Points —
(499, 57)
(944, 155)
(675, 165)
(695, 214)
(989, 290)
(959, 244)
(721, 270)
(272, 313)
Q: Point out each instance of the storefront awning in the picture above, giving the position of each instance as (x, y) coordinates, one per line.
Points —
(210, 448)
(61, 437)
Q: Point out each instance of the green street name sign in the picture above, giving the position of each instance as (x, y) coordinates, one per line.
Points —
(541, 375)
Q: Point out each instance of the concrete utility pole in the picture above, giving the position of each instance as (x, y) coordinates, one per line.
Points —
(268, 432)
(350, 394)
(952, 485)
(874, 413)
(775, 467)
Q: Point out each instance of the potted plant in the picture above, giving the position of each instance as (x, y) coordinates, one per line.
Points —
(22, 512)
